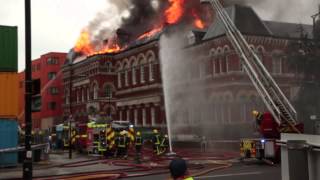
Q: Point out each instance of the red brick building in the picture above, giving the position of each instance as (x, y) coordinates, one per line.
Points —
(47, 71)
(211, 94)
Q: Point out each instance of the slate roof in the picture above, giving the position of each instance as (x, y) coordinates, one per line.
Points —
(248, 22)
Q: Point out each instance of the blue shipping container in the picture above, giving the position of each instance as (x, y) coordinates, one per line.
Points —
(8, 139)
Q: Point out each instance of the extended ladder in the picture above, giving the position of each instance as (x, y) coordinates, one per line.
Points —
(275, 100)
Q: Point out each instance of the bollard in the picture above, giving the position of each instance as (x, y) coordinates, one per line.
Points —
(298, 159)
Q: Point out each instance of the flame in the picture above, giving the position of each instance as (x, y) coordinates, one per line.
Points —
(151, 33)
(83, 43)
(85, 46)
(175, 11)
(172, 15)
(198, 23)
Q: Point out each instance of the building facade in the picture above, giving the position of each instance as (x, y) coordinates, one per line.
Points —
(46, 72)
(210, 94)
(124, 86)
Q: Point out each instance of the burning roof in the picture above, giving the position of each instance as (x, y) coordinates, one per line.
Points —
(144, 23)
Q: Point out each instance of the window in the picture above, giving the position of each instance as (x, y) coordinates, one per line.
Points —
(95, 91)
(109, 67)
(134, 77)
(52, 61)
(144, 117)
(83, 95)
(38, 67)
(78, 96)
(151, 71)
(52, 105)
(67, 96)
(53, 90)
(142, 80)
(88, 94)
(277, 65)
(136, 117)
(119, 79)
(153, 116)
(128, 115)
(120, 115)
(126, 80)
(108, 91)
(52, 75)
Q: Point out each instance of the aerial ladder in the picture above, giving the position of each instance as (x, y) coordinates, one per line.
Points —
(273, 97)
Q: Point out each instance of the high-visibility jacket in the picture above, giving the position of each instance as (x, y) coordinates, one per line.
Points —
(138, 141)
(122, 141)
(189, 178)
(156, 139)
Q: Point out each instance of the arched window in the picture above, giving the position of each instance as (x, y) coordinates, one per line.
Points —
(151, 61)
(126, 74)
(119, 69)
(95, 91)
(108, 91)
(134, 71)
(142, 62)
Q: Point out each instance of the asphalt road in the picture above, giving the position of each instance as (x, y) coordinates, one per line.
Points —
(236, 172)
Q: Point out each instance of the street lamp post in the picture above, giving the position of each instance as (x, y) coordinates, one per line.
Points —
(27, 164)
(70, 109)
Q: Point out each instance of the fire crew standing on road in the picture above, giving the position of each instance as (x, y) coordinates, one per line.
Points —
(164, 144)
(156, 140)
(122, 143)
(138, 146)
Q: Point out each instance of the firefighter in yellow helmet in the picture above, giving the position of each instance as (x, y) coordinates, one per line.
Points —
(138, 145)
(258, 116)
(156, 140)
(122, 143)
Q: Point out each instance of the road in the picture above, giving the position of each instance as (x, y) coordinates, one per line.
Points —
(236, 172)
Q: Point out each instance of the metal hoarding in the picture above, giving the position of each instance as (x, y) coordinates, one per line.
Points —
(8, 49)
(8, 139)
(9, 95)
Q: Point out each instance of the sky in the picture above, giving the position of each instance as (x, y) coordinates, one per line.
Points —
(56, 24)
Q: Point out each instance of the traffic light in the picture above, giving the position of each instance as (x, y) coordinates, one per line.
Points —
(36, 96)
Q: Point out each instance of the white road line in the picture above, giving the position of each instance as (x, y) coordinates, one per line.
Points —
(226, 175)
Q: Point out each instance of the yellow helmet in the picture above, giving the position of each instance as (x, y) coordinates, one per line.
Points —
(122, 132)
(138, 133)
(255, 113)
(155, 131)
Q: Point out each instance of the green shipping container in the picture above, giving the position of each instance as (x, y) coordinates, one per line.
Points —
(8, 49)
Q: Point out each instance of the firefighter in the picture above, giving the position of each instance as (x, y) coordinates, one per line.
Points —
(156, 140)
(258, 116)
(164, 144)
(268, 127)
(138, 145)
(122, 143)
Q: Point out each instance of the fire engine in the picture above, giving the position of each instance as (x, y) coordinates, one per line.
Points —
(98, 138)
(281, 116)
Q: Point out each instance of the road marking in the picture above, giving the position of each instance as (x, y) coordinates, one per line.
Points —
(226, 175)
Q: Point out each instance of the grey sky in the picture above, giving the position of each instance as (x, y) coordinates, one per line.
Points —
(56, 24)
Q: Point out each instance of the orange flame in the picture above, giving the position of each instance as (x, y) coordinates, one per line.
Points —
(198, 23)
(84, 46)
(175, 12)
(151, 33)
